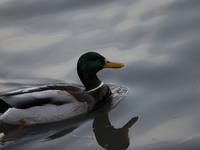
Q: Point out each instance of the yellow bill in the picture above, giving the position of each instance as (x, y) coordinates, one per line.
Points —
(109, 64)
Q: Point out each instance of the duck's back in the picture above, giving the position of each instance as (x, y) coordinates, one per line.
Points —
(57, 94)
(42, 104)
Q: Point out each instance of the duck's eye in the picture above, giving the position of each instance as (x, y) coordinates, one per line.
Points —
(94, 58)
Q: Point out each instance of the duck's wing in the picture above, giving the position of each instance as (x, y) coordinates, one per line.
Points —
(48, 94)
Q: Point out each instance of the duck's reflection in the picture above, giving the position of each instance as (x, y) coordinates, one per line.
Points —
(109, 137)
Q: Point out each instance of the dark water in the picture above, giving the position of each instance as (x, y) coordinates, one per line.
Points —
(158, 41)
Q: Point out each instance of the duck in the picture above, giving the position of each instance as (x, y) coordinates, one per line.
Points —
(55, 102)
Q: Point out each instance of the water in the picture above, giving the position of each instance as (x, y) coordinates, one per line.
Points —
(158, 41)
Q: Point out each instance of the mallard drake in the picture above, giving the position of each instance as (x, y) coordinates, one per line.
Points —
(50, 103)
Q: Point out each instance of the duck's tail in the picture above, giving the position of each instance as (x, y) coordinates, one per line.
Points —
(4, 106)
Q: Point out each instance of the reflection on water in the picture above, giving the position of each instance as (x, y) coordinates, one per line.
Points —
(106, 135)
(109, 137)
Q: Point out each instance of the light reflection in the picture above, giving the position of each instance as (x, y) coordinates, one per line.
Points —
(30, 42)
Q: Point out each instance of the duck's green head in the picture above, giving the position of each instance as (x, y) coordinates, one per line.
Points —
(89, 64)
